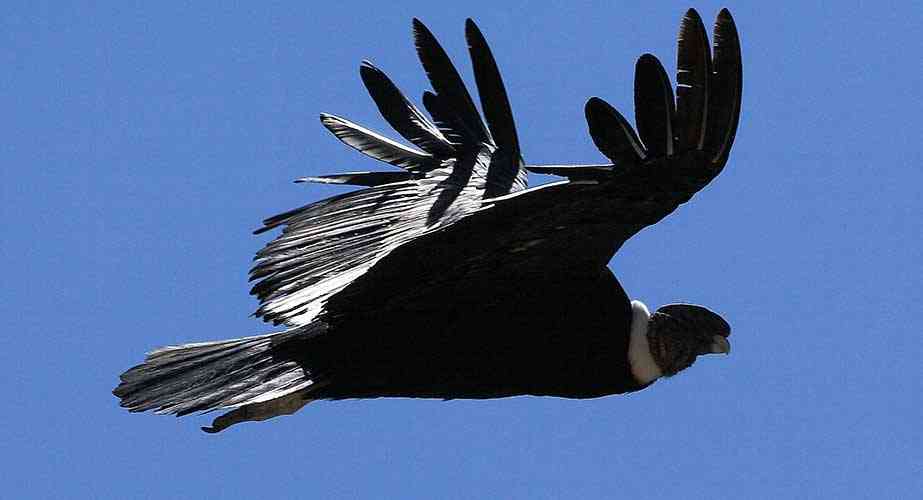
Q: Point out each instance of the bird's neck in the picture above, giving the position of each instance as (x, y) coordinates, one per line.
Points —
(643, 366)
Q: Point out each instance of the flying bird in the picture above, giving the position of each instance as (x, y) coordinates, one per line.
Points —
(452, 279)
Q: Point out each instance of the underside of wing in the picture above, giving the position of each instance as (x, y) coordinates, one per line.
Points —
(323, 246)
(326, 245)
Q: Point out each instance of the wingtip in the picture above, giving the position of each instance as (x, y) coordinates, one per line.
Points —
(594, 105)
(418, 26)
(654, 106)
(594, 101)
(725, 22)
(724, 25)
(329, 121)
(648, 62)
(474, 36)
(691, 21)
(612, 133)
(693, 15)
(728, 68)
(647, 58)
(368, 71)
(422, 36)
(692, 26)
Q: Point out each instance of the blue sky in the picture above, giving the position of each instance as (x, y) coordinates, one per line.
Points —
(143, 143)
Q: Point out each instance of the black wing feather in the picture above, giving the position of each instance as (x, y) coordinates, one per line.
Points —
(506, 171)
(726, 87)
(447, 83)
(612, 133)
(654, 106)
(368, 179)
(693, 69)
(494, 100)
(574, 172)
(447, 119)
(401, 114)
(377, 146)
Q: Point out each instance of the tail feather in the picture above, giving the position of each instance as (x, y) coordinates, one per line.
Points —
(211, 375)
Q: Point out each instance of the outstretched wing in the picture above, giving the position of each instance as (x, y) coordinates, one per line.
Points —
(572, 228)
(694, 133)
(326, 245)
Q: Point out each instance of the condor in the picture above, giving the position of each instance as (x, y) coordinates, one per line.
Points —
(449, 278)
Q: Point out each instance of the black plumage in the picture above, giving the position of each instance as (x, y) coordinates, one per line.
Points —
(450, 279)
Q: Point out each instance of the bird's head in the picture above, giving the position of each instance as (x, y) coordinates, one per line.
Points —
(678, 333)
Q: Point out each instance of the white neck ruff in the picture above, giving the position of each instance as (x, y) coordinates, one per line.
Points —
(643, 366)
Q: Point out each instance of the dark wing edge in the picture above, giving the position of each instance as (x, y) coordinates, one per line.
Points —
(654, 106)
(507, 172)
(696, 133)
(612, 134)
(401, 114)
(726, 89)
(693, 69)
(448, 84)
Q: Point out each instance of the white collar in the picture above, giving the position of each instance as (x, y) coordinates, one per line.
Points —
(643, 366)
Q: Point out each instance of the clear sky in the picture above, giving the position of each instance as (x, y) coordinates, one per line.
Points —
(142, 144)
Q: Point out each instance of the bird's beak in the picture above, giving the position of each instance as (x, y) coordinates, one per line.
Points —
(719, 345)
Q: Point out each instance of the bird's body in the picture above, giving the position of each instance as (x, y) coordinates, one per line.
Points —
(451, 279)
(495, 342)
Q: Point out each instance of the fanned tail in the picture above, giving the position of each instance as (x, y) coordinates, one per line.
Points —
(222, 374)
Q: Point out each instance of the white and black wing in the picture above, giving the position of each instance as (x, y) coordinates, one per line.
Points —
(326, 245)
(571, 229)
